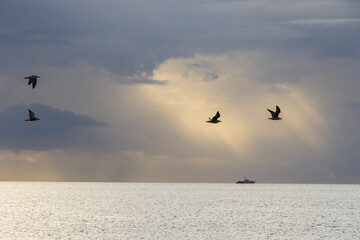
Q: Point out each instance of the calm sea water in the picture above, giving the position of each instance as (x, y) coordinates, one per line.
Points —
(34, 210)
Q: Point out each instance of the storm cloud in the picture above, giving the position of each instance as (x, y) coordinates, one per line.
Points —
(56, 129)
(126, 88)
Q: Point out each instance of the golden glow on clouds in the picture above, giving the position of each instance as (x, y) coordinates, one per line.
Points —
(31, 159)
(193, 100)
(242, 102)
(28, 165)
(197, 88)
(305, 120)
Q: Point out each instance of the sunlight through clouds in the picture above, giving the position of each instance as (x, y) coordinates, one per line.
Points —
(126, 89)
(243, 108)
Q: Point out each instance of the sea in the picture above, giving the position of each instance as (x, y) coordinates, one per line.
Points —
(78, 210)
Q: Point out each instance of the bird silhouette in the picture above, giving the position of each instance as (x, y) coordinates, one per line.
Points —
(275, 115)
(32, 116)
(32, 80)
(215, 118)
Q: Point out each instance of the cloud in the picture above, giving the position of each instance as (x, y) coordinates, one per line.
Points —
(305, 139)
(57, 129)
(152, 73)
(129, 38)
(326, 22)
(159, 133)
(141, 80)
(211, 76)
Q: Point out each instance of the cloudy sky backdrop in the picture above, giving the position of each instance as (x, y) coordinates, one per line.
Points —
(126, 86)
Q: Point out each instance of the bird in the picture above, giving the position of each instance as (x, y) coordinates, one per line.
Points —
(275, 115)
(215, 118)
(32, 80)
(32, 116)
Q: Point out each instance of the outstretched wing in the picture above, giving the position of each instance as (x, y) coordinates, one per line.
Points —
(34, 81)
(216, 116)
(277, 110)
(272, 112)
(31, 114)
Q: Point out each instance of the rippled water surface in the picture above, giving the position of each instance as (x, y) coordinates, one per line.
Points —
(32, 210)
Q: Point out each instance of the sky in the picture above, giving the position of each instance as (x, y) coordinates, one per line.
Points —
(126, 88)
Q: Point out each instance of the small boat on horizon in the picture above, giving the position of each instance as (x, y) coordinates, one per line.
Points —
(245, 181)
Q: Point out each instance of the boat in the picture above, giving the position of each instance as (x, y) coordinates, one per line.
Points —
(246, 181)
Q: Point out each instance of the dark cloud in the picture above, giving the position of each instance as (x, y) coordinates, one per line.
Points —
(56, 129)
(344, 153)
(194, 65)
(81, 48)
(129, 37)
(333, 40)
(211, 76)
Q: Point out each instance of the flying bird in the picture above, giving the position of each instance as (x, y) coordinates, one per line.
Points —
(275, 115)
(215, 118)
(32, 116)
(32, 80)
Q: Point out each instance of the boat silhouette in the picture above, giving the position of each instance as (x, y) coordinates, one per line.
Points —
(245, 181)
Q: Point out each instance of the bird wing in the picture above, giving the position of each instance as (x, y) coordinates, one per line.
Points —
(272, 112)
(30, 81)
(216, 116)
(31, 114)
(277, 110)
(34, 81)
